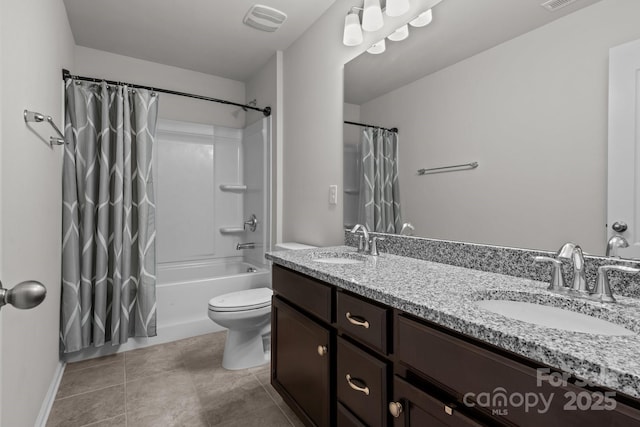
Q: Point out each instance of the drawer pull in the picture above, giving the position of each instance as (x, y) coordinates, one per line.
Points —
(322, 350)
(358, 321)
(364, 389)
(448, 410)
(395, 408)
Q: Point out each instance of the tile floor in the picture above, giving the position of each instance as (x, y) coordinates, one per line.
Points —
(175, 384)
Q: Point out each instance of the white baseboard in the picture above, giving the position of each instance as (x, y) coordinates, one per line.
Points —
(47, 404)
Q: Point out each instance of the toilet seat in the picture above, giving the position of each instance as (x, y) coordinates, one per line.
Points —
(250, 299)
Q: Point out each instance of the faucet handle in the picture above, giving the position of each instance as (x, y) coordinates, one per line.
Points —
(557, 281)
(603, 288)
(374, 245)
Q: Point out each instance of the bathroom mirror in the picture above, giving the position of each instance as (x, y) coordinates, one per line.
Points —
(522, 92)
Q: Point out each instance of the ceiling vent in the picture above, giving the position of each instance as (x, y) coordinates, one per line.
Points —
(553, 5)
(264, 18)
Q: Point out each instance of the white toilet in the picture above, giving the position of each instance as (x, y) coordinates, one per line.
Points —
(247, 316)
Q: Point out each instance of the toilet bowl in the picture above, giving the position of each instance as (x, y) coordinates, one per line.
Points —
(247, 316)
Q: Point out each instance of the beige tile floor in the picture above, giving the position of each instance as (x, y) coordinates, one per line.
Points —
(176, 384)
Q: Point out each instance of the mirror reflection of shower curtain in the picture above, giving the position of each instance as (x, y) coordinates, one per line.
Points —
(379, 206)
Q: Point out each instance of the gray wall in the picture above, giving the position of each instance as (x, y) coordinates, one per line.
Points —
(533, 112)
(101, 64)
(36, 43)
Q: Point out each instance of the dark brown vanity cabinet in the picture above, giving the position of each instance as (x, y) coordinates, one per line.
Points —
(342, 360)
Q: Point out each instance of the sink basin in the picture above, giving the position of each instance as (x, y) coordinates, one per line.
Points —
(553, 317)
(340, 258)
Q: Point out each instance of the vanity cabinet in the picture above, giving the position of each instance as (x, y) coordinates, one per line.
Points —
(339, 359)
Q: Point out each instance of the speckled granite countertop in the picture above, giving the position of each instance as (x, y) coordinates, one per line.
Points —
(446, 294)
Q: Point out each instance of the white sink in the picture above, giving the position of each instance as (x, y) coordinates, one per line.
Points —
(553, 317)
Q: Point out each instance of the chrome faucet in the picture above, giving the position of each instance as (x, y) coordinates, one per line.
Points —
(407, 229)
(614, 243)
(602, 291)
(363, 242)
(573, 253)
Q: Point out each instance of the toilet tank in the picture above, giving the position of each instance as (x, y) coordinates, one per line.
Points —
(288, 246)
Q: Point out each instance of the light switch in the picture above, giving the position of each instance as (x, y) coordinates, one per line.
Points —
(333, 194)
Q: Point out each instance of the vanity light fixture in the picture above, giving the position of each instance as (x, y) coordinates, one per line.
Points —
(399, 34)
(377, 48)
(423, 19)
(372, 16)
(352, 29)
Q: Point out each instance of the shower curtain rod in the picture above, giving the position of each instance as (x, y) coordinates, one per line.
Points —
(266, 111)
(395, 130)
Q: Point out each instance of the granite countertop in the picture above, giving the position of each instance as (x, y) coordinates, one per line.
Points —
(446, 294)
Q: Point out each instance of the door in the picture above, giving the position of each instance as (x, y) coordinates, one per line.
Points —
(624, 146)
(301, 361)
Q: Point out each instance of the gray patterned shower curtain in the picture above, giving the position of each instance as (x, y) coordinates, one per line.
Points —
(379, 206)
(108, 241)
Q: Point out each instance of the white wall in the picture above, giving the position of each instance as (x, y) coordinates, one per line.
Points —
(313, 104)
(36, 43)
(106, 65)
(533, 113)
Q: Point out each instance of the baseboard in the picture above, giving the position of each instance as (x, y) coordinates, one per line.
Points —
(47, 404)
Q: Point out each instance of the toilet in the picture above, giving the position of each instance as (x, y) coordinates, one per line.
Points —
(247, 316)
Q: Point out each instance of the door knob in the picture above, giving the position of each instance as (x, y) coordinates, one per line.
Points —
(24, 295)
(322, 350)
(619, 227)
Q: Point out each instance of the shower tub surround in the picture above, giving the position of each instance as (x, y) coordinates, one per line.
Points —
(446, 295)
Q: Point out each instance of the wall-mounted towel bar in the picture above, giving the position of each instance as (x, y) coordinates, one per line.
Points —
(472, 165)
(32, 116)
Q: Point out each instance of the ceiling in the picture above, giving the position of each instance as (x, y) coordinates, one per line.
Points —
(201, 35)
(460, 29)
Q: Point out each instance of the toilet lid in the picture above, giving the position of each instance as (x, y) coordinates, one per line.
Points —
(242, 300)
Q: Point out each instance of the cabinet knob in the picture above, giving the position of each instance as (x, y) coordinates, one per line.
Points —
(395, 408)
(322, 350)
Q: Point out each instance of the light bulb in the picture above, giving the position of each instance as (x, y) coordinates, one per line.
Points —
(399, 34)
(396, 7)
(423, 19)
(352, 30)
(377, 48)
(372, 16)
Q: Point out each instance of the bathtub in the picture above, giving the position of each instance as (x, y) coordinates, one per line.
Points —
(183, 292)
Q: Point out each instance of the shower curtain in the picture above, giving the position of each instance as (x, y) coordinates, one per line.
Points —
(108, 241)
(379, 206)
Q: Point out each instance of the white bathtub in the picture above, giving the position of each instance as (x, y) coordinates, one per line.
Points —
(184, 290)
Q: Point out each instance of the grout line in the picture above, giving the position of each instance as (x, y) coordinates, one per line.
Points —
(88, 391)
(71, 369)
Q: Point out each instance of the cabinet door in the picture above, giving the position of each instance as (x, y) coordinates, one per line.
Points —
(414, 407)
(301, 361)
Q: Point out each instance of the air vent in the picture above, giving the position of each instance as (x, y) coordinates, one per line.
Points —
(553, 5)
(264, 18)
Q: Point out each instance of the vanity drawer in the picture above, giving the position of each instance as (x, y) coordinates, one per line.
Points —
(464, 369)
(361, 383)
(344, 418)
(363, 321)
(422, 409)
(309, 294)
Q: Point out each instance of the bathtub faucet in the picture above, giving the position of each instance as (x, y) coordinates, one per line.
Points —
(241, 246)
